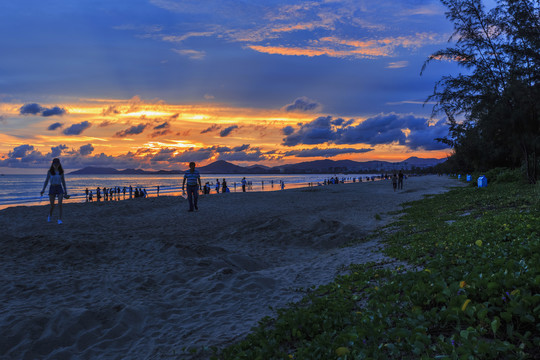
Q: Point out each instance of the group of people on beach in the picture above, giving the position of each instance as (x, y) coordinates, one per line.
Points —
(192, 178)
(397, 181)
(114, 193)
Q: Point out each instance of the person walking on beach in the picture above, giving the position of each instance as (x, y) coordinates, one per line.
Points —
(217, 186)
(224, 186)
(394, 182)
(244, 183)
(400, 180)
(193, 179)
(57, 188)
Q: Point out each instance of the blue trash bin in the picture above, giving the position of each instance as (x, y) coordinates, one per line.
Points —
(482, 181)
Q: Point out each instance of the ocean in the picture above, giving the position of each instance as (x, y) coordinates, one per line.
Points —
(24, 189)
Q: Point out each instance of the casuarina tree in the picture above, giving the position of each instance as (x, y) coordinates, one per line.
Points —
(497, 96)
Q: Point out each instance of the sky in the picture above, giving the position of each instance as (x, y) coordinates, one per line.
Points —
(155, 84)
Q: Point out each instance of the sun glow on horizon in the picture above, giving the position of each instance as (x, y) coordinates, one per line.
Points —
(153, 133)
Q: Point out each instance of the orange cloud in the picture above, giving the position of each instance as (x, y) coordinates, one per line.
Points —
(311, 52)
(342, 48)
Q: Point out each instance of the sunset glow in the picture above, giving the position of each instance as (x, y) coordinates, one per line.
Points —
(294, 82)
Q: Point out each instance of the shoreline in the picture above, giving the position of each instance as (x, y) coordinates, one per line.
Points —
(164, 191)
(144, 279)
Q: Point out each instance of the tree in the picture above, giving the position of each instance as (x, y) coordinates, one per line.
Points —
(498, 96)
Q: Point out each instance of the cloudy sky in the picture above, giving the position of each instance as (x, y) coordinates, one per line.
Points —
(158, 83)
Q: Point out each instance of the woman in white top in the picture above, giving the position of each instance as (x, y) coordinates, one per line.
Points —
(57, 188)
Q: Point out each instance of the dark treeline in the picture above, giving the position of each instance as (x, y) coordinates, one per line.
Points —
(497, 98)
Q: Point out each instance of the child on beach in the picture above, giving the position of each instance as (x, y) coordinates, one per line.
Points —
(57, 189)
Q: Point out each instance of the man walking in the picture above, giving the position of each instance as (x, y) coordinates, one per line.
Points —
(193, 185)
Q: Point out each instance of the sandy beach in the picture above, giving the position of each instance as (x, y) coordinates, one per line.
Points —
(143, 278)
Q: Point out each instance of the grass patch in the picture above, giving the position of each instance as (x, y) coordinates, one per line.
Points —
(475, 293)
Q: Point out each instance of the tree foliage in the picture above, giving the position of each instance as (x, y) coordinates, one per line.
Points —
(498, 94)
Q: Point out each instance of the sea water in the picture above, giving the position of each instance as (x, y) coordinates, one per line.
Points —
(25, 189)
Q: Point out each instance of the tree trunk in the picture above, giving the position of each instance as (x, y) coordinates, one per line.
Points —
(530, 163)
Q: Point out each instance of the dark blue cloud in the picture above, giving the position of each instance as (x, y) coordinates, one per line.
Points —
(21, 151)
(238, 153)
(225, 132)
(165, 125)
(56, 151)
(287, 130)
(241, 147)
(55, 126)
(193, 155)
(302, 104)
(134, 130)
(35, 109)
(161, 130)
(424, 138)
(86, 149)
(255, 155)
(32, 109)
(319, 131)
(408, 130)
(77, 129)
(164, 154)
(53, 111)
(329, 152)
(26, 156)
(211, 128)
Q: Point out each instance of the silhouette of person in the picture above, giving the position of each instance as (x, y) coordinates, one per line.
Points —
(400, 180)
(244, 183)
(394, 181)
(217, 186)
(57, 188)
(224, 186)
(193, 179)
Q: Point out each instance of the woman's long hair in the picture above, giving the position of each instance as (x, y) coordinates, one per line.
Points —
(60, 170)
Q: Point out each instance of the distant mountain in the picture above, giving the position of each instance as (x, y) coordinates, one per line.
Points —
(92, 170)
(221, 167)
(317, 166)
(420, 162)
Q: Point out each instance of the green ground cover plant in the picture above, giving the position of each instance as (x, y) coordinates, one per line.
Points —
(471, 289)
